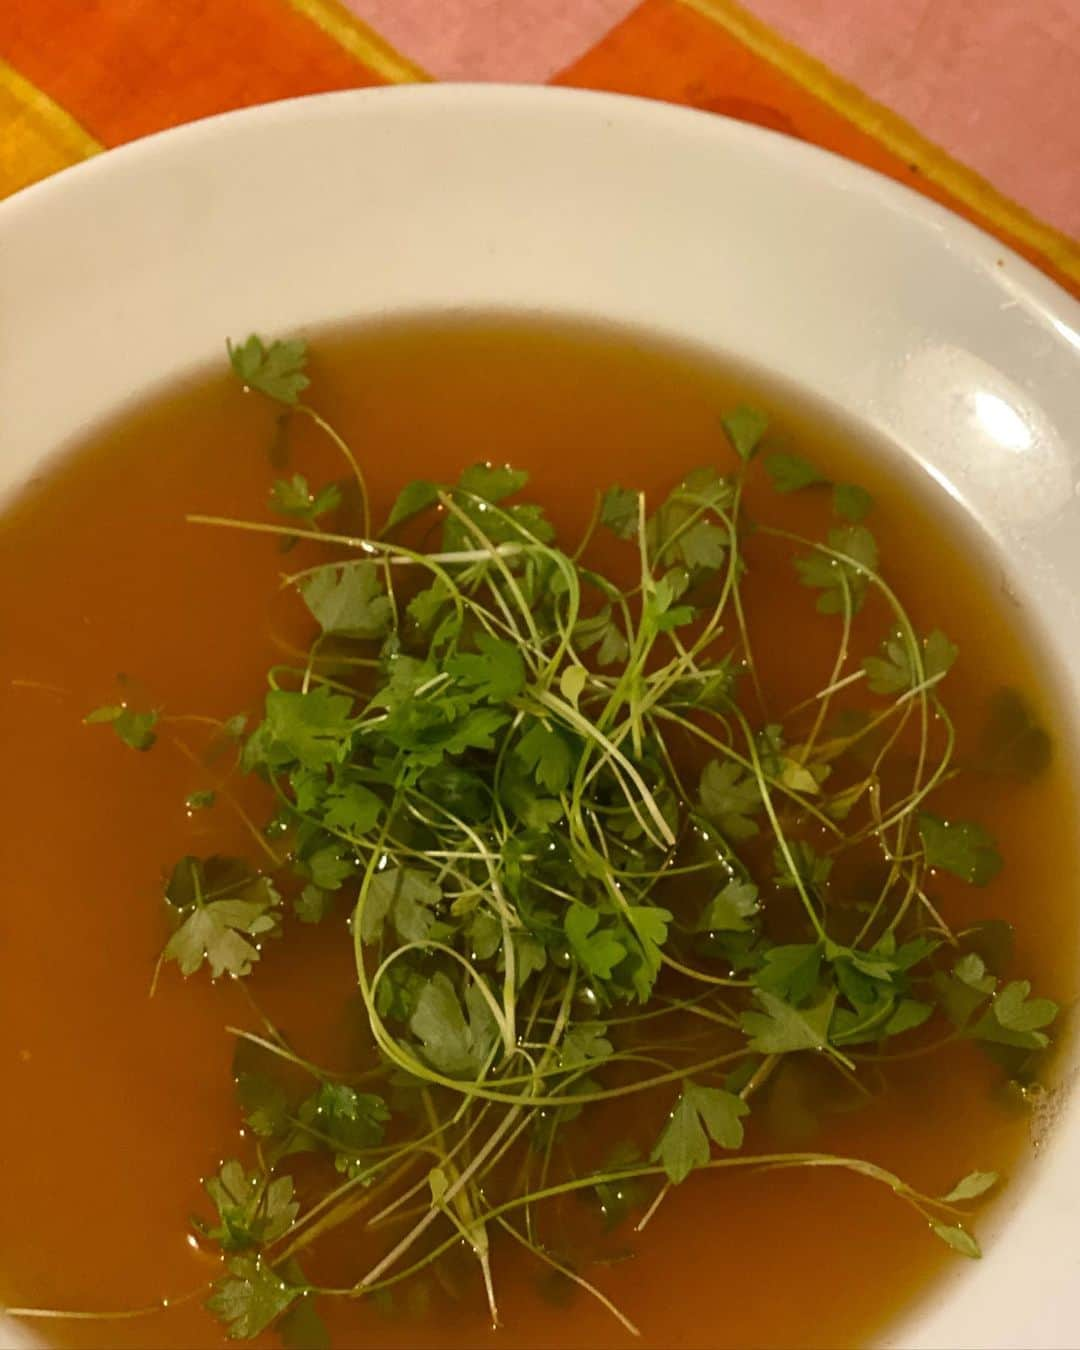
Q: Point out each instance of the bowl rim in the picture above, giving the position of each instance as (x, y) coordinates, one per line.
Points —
(542, 117)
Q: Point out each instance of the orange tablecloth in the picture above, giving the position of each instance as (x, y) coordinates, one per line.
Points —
(974, 102)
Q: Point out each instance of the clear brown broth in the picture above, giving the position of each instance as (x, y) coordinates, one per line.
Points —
(116, 1104)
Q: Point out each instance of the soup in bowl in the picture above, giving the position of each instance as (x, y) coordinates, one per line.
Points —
(564, 814)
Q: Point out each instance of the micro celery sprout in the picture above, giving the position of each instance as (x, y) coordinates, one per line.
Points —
(559, 829)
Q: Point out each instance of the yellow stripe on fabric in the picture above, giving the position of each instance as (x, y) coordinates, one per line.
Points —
(894, 133)
(37, 137)
(360, 41)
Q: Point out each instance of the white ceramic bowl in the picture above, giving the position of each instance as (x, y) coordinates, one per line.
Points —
(128, 270)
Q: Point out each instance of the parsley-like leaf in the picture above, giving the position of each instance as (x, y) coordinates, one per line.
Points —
(250, 1297)
(835, 576)
(852, 502)
(348, 599)
(408, 896)
(302, 1328)
(292, 497)
(790, 971)
(252, 1210)
(650, 925)
(454, 1046)
(960, 847)
(225, 919)
(495, 671)
(700, 1114)
(894, 671)
(779, 1028)
(729, 798)
(1013, 743)
(732, 910)
(411, 500)
(548, 756)
(279, 371)
(791, 473)
(745, 427)
(135, 729)
(599, 952)
(1015, 1018)
(619, 511)
(309, 728)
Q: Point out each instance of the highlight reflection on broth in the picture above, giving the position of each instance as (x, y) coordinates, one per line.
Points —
(625, 830)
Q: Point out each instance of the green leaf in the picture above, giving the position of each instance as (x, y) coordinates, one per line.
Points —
(452, 1045)
(339, 1120)
(294, 498)
(1015, 1018)
(732, 910)
(622, 1194)
(790, 971)
(135, 729)
(572, 682)
(965, 990)
(398, 991)
(250, 1298)
(584, 1043)
(650, 925)
(547, 755)
(311, 729)
(492, 482)
(959, 1239)
(263, 1103)
(960, 847)
(598, 952)
(351, 808)
(252, 1210)
(277, 371)
(681, 533)
(700, 1114)
(745, 427)
(330, 868)
(851, 501)
(1016, 1010)
(811, 868)
(791, 473)
(348, 599)
(971, 970)
(495, 671)
(909, 1014)
(619, 511)
(704, 545)
(894, 671)
(971, 1186)
(602, 632)
(408, 896)
(411, 500)
(200, 801)
(426, 605)
(219, 933)
(302, 1328)
(313, 905)
(485, 935)
(835, 576)
(729, 798)
(228, 913)
(779, 1028)
(1013, 743)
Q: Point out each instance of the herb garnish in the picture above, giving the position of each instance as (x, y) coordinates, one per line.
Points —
(560, 839)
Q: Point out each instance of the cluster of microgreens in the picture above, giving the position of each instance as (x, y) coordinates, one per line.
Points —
(559, 820)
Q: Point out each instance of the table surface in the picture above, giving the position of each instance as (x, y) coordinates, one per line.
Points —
(975, 102)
